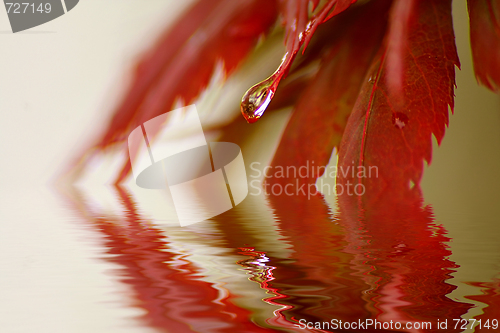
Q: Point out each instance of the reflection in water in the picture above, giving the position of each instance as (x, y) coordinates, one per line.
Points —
(490, 319)
(166, 284)
(401, 254)
(246, 271)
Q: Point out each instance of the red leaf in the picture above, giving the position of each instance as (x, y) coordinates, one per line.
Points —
(320, 116)
(299, 31)
(391, 133)
(485, 41)
(398, 33)
(181, 63)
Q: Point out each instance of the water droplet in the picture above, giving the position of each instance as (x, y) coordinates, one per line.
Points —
(371, 80)
(399, 120)
(257, 98)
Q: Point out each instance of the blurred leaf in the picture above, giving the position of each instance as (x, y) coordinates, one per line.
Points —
(485, 41)
(321, 113)
(182, 62)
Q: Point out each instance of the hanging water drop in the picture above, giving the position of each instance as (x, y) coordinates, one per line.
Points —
(257, 98)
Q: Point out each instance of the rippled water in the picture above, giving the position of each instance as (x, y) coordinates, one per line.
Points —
(261, 267)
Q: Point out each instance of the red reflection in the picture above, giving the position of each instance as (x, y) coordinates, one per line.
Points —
(168, 286)
(402, 254)
(490, 319)
(319, 281)
(385, 262)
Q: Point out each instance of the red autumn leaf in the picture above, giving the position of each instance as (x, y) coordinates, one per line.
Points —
(184, 59)
(299, 31)
(392, 133)
(182, 62)
(485, 41)
(399, 20)
(417, 90)
(320, 115)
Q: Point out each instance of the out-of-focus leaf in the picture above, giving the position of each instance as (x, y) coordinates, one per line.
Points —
(320, 116)
(391, 134)
(398, 33)
(183, 60)
(485, 41)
